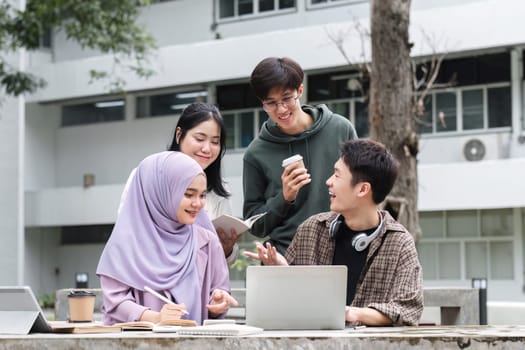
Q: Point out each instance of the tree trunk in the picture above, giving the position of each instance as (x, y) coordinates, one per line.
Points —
(391, 112)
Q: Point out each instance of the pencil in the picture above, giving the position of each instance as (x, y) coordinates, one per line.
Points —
(162, 297)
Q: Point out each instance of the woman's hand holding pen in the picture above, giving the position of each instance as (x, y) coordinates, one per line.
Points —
(268, 255)
(220, 302)
(169, 311)
(172, 312)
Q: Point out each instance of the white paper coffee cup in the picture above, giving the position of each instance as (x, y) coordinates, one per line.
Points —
(292, 159)
(81, 306)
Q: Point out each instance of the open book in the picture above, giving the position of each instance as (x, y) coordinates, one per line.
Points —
(148, 326)
(220, 330)
(228, 222)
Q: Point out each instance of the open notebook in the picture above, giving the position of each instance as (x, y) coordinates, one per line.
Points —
(231, 329)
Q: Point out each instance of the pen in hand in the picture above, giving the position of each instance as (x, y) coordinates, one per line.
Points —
(162, 297)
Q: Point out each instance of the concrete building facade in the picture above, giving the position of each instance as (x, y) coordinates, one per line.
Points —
(68, 149)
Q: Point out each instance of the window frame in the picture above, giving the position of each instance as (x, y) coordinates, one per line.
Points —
(259, 116)
(188, 89)
(94, 102)
(462, 243)
(351, 108)
(255, 14)
(459, 111)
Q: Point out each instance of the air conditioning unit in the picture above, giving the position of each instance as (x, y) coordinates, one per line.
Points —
(474, 150)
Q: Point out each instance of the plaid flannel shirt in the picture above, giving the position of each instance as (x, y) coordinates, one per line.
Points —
(391, 281)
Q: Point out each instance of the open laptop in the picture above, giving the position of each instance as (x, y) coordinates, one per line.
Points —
(20, 312)
(296, 297)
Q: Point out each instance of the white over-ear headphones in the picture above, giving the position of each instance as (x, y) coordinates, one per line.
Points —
(334, 226)
(361, 240)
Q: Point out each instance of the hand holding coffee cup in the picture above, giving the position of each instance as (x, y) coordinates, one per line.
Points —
(294, 177)
(297, 158)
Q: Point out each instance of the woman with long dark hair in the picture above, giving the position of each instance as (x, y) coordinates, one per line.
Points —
(201, 134)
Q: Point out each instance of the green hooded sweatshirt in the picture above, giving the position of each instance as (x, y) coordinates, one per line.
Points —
(262, 170)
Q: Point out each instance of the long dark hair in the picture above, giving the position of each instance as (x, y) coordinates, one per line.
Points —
(193, 115)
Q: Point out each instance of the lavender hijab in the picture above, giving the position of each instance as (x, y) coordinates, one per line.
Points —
(148, 247)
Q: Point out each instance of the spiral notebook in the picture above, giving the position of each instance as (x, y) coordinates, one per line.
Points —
(220, 330)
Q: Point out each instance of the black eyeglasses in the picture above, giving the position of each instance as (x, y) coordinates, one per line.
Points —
(287, 102)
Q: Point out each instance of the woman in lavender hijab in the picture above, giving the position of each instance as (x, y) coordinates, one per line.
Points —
(201, 134)
(162, 240)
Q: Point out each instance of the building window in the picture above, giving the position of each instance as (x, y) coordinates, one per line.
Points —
(356, 110)
(229, 9)
(479, 96)
(242, 112)
(45, 39)
(446, 118)
(342, 93)
(243, 126)
(168, 104)
(472, 108)
(335, 85)
(499, 107)
(88, 234)
(476, 70)
(465, 109)
(466, 244)
(245, 7)
(424, 121)
(94, 112)
(236, 96)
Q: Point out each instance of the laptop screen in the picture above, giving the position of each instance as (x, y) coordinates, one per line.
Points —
(296, 297)
(20, 312)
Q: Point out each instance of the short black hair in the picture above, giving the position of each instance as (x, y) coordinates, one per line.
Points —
(370, 161)
(194, 114)
(275, 72)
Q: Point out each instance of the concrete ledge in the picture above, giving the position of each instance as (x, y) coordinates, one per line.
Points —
(381, 338)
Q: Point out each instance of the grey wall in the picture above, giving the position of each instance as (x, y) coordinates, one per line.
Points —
(41, 259)
(42, 122)
(10, 234)
(78, 258)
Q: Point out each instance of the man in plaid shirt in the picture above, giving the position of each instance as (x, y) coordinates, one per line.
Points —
(384, 274)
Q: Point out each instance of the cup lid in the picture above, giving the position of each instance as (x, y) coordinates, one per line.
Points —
(80, 293)
(291, 160)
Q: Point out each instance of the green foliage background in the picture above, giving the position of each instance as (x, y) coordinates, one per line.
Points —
(108, 26)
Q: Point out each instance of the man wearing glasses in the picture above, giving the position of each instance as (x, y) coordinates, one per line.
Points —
(291, 194)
